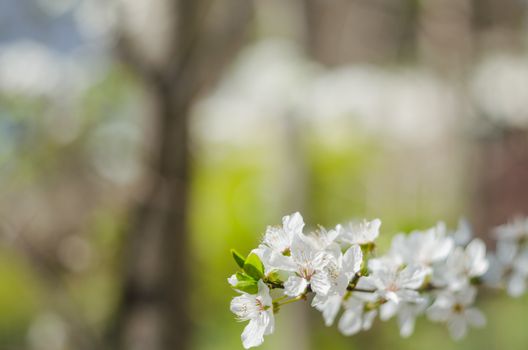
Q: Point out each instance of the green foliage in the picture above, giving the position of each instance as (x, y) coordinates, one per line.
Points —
(253, 272)
(19, 295)
(254, 267)
(246, 283)
(239, 259)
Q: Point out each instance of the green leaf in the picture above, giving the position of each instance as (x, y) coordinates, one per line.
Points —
(239, 259)
(249, 286)
(242, 276)
(254, 267)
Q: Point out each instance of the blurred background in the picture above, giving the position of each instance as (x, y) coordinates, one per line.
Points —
(141, 139)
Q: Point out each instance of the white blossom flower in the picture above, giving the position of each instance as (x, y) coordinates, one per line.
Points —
(400, 294)
(327, 272)
(509, 265)
(514, 231)
(395, 285)
(516, 282)
(359, 232)
(422, 247)
(341, 268)
(431, 266)
(338, 271)
(307, 262)
(462, 265)
(455, 310)
(355, 317)
(258, 309)
(325, 239)
(276, 244)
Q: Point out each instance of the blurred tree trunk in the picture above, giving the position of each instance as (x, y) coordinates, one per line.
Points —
(500, 190)
(499, 24)
(445, 36)
(501, 174)
(375, 31)
(153, 310)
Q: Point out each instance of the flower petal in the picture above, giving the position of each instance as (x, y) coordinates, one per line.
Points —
(264, 294)
(253, 334)
(388, 310)
(232, 280)
(475, 317)
(303, 251)
(270, 323)
(295, 286)
(368, 319)
(516, 285)
(412, 277)
(352, 260)
(278, 261)
(406, 321)
(293, 223)
(368, 283)
(476, 252)
(350, 323)
(409, 295)
(437, 313)
(320, 283)
(457, 326)
(329, 307)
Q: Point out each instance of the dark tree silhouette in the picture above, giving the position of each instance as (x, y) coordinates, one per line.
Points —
(153, 311)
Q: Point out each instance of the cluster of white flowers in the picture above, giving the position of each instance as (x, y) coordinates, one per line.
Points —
(509, 263)
(435, 272)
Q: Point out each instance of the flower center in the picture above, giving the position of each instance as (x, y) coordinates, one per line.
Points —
(393, 287)
(306, 273)
(260, 305)
(333, 272)
(458, 308)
